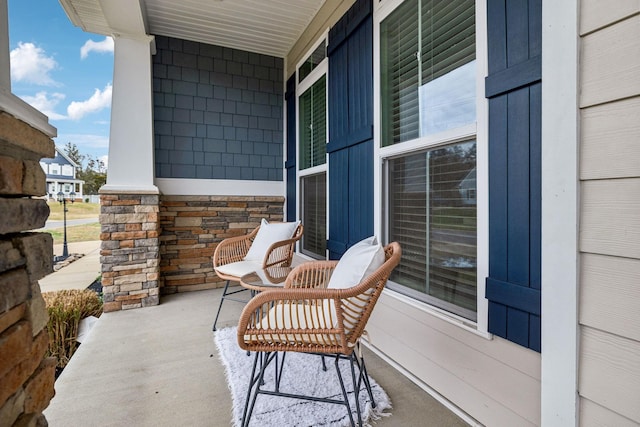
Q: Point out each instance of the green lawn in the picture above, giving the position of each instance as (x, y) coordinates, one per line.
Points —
(75, 210)
(76, 233)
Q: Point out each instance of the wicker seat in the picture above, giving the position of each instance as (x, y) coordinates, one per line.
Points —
(230, 263)
(306, 316)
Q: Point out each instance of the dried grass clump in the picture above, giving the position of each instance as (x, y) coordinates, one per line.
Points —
(66, 308)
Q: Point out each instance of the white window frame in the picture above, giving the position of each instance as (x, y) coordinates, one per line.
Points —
(301, 86)
(477, 131)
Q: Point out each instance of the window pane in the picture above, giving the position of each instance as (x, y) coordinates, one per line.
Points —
(432, 214)
(313, 125)
(427, 51)
(399, 74)
(314, 215)
(312, 61)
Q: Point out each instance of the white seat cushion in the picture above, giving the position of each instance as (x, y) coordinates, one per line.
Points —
(360, 260)
(268, 234)
(299, 316)
(240, 268)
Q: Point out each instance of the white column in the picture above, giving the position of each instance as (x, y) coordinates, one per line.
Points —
(560, 133)
(5, 66)
(131, 157)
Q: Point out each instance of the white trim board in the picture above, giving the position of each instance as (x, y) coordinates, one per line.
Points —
(560, 124)
(219, 187)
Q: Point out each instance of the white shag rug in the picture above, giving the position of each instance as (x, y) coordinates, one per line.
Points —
(303, 374)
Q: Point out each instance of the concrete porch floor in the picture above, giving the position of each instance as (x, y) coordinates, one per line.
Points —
(159, 366)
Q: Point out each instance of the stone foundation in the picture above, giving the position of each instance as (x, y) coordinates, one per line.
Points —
(192, 227)
(129, 250)
(26, 376)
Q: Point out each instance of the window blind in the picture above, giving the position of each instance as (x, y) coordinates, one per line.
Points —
(399, 74)
(432, 213)
(314, 215)
(313, 125)
(420, 41)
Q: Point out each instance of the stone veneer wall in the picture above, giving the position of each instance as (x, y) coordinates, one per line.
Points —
(192, 227)
(130, 250)
(26, 376)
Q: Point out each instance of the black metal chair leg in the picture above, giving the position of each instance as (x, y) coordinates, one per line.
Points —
(252, 381)
(356, 386)
(265, 359)
(224, 294)
(364, 375)
(345, 395)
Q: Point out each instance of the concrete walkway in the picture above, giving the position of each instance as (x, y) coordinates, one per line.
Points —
(70, 223)
(78, 274)
(158, 366)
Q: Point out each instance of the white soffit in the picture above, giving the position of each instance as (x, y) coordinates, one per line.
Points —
(88, 15)
(269, 27)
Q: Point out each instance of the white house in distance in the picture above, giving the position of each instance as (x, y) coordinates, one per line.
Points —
(61, 175)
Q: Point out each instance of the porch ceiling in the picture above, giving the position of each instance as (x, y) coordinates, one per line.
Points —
(269, 27)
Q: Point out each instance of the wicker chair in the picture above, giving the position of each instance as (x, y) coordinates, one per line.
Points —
(230, 264)
(305, 316)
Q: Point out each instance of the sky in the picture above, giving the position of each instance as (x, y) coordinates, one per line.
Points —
(62, 71)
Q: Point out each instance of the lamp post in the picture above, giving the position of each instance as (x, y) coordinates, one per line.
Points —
(63, 201)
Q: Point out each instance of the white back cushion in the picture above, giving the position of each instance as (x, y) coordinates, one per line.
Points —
(360, 260)
(267, 236)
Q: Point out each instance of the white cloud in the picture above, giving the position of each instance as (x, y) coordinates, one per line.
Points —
(46, 103)
(31, 64)
(99, 100)
(105, 161)
(105, 45)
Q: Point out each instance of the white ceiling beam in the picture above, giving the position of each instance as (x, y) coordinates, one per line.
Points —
(124, 17)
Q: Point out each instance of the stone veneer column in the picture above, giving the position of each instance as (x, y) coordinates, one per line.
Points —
(26, 376)
(130, 253)
(129, 211)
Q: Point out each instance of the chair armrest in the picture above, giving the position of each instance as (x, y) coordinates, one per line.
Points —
(281, 253)
(314, 274)
(233, 249)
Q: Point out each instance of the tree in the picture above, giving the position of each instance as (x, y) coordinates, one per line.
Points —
(94, 173)
(72, 151)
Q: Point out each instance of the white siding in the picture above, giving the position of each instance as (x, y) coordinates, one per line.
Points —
(610, 63)
(495, 381)
(609, 357)
(594, 415)
(610, 146)
(610, 371)
(610, 294)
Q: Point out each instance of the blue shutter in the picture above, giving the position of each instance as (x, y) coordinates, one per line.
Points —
(350, 144)
(513, 88)
(338, 203)
(290, 163)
